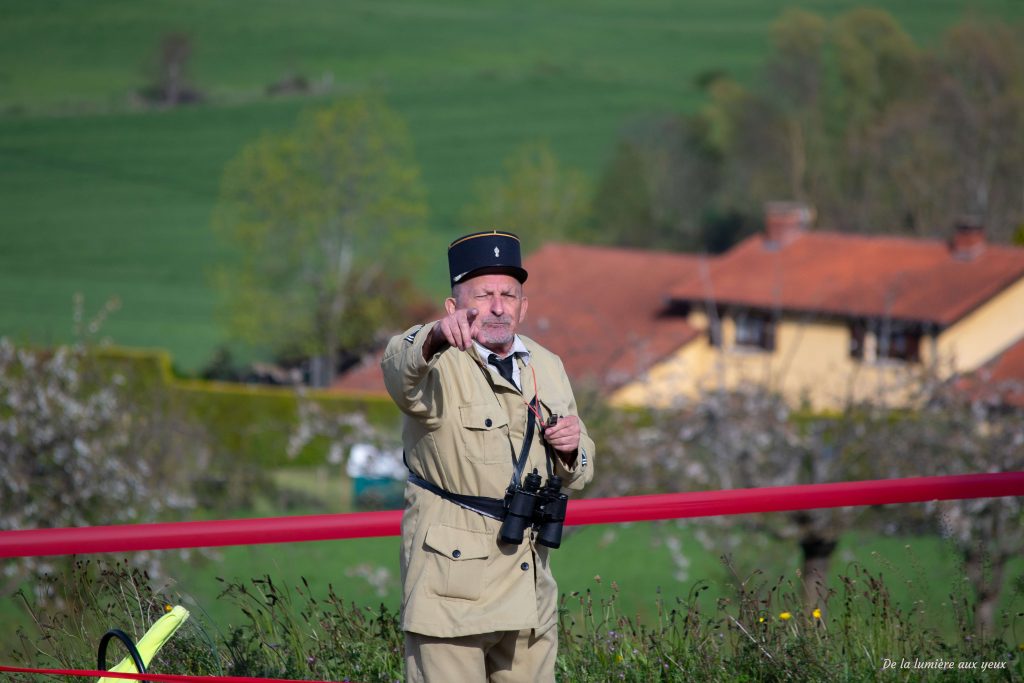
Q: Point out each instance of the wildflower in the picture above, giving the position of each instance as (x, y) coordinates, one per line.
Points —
(760, 620)
(618, 659)
(786, 616)
(816, 613)
(167, 608)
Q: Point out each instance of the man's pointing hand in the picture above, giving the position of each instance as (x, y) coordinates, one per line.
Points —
(457, 329)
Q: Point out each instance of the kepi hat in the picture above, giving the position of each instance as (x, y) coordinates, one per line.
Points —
(480, 253)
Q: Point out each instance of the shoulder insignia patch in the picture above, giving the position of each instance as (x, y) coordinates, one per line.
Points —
(411, 337)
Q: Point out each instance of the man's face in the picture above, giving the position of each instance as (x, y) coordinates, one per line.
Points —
(500, 306)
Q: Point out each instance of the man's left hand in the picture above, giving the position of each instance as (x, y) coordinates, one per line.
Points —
(564, 436)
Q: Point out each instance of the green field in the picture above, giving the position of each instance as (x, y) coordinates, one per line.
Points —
(105, 197)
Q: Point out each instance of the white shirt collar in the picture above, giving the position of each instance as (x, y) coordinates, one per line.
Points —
(518, 349)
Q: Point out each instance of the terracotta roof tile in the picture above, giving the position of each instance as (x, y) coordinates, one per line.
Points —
(854, 275)
(365, 378)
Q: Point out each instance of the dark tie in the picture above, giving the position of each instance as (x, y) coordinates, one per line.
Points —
(504, 366)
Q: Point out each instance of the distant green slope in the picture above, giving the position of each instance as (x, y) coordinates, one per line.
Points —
(105, 198)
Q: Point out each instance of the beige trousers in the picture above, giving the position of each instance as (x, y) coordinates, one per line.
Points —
(500, 657)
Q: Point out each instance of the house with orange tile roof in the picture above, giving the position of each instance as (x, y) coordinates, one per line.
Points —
(825, 318)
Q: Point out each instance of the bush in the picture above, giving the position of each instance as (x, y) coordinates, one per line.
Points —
(82, 445)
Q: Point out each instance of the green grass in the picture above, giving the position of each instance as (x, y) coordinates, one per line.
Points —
(635, 557)
(108, 199)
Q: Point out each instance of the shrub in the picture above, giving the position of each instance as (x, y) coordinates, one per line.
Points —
(82, 446)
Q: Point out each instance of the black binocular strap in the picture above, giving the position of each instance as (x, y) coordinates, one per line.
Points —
(488, 507)
(524, 453)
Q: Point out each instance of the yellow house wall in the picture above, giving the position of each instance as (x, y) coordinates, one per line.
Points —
(811, 362)
(985, 332)
(811, 365)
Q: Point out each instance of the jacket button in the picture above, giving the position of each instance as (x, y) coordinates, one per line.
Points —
(524, 566)
(456, 554)
(487, 422)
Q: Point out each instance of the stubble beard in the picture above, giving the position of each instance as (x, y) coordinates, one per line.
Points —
(497, 334)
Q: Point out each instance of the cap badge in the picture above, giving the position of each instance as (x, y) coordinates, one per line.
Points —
(497, 252)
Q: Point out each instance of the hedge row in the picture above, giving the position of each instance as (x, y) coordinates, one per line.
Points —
(249, 424)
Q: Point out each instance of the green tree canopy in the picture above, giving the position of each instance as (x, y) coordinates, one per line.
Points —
(536, 197)
(325, 219)
(653, 190)
(848, 115)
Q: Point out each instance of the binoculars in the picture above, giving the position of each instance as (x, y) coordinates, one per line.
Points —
(529, 505)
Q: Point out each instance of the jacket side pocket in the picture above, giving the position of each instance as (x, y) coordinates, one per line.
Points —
(459, 557)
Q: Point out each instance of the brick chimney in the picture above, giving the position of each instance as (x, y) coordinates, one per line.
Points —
(786, 221)
(968, 239)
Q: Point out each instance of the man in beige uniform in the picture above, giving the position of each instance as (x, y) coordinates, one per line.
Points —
(475, 608)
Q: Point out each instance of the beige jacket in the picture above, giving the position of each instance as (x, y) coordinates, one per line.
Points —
(463, 426)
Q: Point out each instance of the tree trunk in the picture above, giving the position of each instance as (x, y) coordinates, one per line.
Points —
(321, 370)
(817, 556)
(986, 575)
(797, 161)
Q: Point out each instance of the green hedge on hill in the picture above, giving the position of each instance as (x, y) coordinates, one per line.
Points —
(248, 424)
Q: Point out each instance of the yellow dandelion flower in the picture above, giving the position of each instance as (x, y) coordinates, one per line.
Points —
(760, 620)
(786, 616)
(167, 608)
(816, 613)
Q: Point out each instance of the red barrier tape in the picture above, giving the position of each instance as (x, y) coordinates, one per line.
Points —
(158, 678)
(107, 539)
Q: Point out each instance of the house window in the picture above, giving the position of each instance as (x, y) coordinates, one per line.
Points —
(899, 342)
(755, 329)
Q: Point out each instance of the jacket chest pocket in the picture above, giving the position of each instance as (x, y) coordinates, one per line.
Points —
(457, 561)
(484, 434)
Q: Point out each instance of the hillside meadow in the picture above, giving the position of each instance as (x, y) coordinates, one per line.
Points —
(110, 197)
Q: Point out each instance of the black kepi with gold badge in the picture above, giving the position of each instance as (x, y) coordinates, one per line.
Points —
(481, 253)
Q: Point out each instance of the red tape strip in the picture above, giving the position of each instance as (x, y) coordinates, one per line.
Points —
(159, 678)
(132, 537)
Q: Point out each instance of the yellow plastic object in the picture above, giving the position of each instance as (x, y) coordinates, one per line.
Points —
(157, 635)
